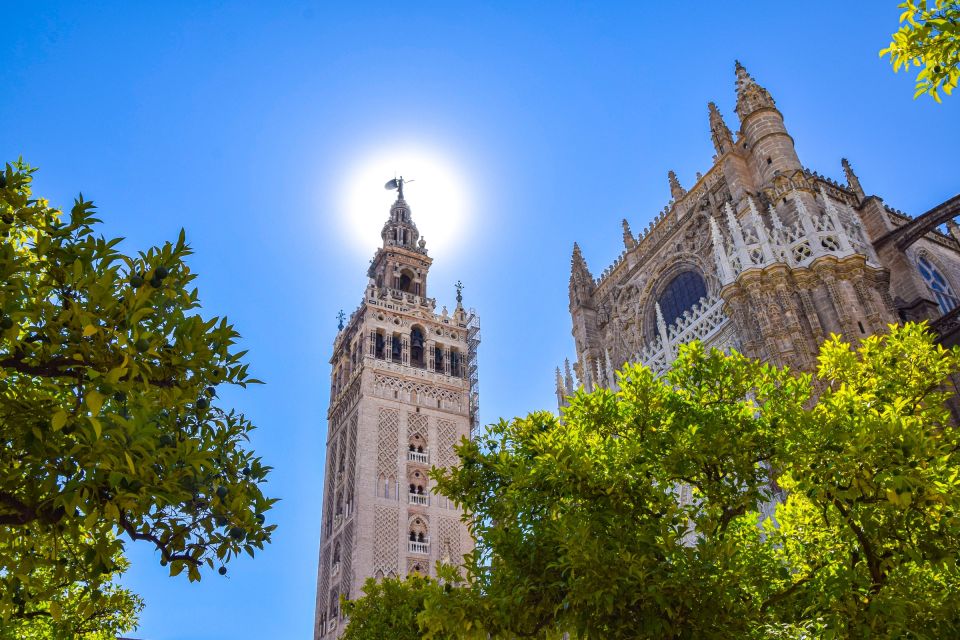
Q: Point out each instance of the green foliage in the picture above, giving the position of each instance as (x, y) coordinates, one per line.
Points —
(929, 37)
(390, 609)
(585, 525)
(110, 428)
(83, 609)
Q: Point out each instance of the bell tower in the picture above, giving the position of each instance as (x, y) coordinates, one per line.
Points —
(403, 392)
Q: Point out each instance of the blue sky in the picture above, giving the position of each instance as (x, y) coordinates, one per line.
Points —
(242, 122)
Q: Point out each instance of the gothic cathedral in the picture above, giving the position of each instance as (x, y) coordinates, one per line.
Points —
(403, 392)
(764, 256)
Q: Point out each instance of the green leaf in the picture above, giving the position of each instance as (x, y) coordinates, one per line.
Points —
(94, 400)
(59, 419)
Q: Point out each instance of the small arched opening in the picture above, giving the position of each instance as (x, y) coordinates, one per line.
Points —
(416, 347)
(406, 281)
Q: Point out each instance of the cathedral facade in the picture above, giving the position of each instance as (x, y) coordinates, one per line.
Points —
(764, 256)
(403, 392)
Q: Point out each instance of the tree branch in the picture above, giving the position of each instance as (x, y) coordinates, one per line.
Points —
(161, 546)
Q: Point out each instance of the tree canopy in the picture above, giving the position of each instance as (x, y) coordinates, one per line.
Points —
(110, 424)
(928, 37)
(729, 499)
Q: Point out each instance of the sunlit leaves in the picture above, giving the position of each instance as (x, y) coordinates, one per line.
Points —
(929, 38)
(110, 426)
(644, 512)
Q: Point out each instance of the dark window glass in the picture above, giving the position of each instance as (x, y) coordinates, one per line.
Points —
(682, 293)
(938, 285)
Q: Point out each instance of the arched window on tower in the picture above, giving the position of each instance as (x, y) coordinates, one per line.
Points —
(405, 283)
(938, 285)
(455, 368)
(396, 350)
(416, 348)
(681, 294)
(379, 345)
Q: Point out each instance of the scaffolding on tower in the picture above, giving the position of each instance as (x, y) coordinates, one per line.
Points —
(473, 344)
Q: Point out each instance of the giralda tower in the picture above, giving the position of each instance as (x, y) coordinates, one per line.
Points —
(403, 392)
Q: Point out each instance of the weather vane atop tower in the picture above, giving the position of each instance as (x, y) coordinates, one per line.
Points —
(397, 183)
(341, 317)
(459, 288)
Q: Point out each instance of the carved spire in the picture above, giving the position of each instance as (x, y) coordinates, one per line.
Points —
(719, 131)
(567, 377)
(399, 229)
(628, 240)
(676, 191)
(723, 260)
(609, 370)
(834, 215)
(561, 391)
(736, 232)
(750, 95)
(852, 180)
(761, 230)
(581, 280)
(803, 214)
(578, 266)
(664, 334)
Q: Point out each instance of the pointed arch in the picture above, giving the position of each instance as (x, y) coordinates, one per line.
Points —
(937, 283)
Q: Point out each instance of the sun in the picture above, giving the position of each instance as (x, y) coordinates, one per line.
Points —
(434, 191)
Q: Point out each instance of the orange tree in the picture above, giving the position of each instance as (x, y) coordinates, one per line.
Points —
(110, 426)
(928, 37)
(646, 512)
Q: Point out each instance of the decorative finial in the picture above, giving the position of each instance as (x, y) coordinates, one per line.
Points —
(459, 288)
(852, 181)
(750, 95)
(628, 240)
(341, 317)
(676, 191)
(719, 132)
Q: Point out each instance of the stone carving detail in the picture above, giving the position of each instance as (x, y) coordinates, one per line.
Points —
(345, 401)
(350, 468)
(416, 424)
(420, 566)
(448, 531)
(416, 391)
(813, 234)
(386, 522)
(702, 322)
(446, 439)
(388, 442)
(346, 559)
(323, 588)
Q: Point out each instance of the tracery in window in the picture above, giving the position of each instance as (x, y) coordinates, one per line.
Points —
(938, 285)
(683, 292)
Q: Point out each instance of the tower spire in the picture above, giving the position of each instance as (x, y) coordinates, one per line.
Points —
(581, 280)
(577, 263)
(399, 229)
(750, 95)
(719, 131)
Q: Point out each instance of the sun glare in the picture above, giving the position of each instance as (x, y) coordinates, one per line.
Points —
(434, 192)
